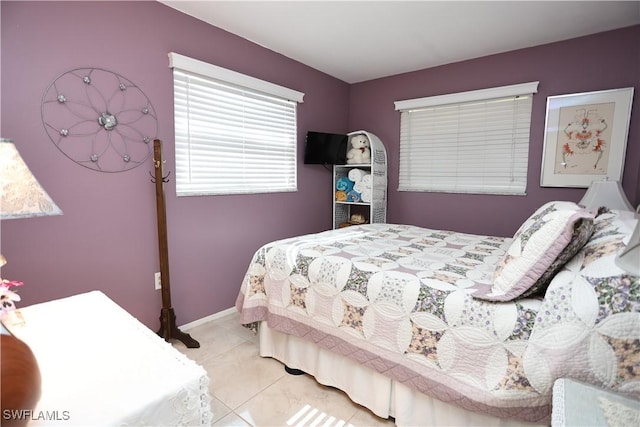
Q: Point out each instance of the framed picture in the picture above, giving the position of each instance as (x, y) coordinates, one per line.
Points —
(585, 137)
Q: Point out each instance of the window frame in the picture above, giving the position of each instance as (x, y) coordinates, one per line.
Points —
(414, 178)
(244, 88)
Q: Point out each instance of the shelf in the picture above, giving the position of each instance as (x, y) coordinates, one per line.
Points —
(339, 202)
(374, 210)
(359, 165)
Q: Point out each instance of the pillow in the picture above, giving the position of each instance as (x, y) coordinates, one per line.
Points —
(582, 232)
(541, 246)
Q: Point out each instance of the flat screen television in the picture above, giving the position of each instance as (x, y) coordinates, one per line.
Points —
(323, 148)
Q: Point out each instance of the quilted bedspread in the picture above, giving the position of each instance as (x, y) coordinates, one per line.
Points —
(397, 298)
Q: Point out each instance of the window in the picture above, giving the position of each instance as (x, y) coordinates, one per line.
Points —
(469, 142)
(234, 133)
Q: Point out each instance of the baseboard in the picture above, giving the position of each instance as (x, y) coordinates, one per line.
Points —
(214, 316)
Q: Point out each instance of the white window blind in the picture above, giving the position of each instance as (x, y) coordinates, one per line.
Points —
(470, 142)
(233, 133)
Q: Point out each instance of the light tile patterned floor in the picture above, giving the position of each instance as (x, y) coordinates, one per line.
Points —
(248, 390)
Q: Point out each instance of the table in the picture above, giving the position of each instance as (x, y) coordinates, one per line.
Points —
(101, 366)
(579, 404)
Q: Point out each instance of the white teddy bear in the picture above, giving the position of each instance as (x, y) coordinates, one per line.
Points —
(360, 152)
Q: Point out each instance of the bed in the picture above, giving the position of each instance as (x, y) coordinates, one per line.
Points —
(435, 327)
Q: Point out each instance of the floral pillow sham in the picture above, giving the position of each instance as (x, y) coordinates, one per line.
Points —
(582, 232)
(549, 238)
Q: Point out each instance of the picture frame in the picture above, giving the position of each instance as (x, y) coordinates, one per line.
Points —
(585, 137)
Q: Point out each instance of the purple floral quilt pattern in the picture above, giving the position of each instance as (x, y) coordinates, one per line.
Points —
(398, 299)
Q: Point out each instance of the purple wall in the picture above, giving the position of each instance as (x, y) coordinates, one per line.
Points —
(107, 237)
(604, 61)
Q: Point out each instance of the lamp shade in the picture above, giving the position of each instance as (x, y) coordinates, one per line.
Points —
(629, 258)
(21, 196)
(606, 193)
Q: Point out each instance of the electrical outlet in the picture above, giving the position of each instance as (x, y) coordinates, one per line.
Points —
(158, 281)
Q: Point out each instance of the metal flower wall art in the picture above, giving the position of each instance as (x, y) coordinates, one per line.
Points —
(99, 119)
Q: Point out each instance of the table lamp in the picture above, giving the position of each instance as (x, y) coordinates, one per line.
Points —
(610, 194)
(606, 193)
(21, 196)
(629, 258)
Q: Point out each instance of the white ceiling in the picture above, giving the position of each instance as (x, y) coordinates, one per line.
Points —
(362, 40)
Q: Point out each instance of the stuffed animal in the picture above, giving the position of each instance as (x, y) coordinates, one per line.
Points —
(360, 152)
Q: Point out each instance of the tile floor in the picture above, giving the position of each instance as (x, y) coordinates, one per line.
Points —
(248, 390)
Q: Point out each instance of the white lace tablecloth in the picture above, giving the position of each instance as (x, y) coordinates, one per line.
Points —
(101, 366)
(579, 404)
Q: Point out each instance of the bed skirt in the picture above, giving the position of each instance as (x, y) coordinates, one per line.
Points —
(380, 394)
